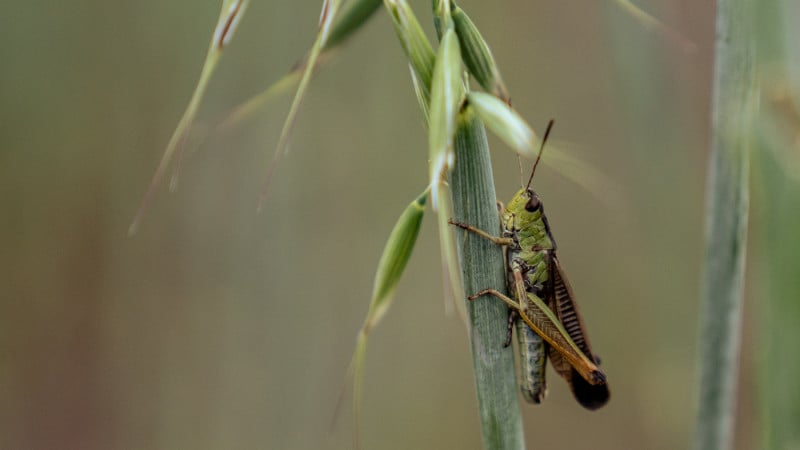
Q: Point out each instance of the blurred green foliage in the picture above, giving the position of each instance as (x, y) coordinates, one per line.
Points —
(777, 195)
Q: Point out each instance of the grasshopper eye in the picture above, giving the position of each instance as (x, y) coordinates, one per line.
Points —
(533, 202)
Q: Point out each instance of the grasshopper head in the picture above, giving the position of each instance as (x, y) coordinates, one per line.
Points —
(525, 207)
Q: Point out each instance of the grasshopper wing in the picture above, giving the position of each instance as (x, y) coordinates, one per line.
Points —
(562, 303)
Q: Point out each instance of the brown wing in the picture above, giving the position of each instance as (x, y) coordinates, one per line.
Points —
(562, 303)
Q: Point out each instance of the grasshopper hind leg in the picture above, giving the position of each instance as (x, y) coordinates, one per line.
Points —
(513, 314)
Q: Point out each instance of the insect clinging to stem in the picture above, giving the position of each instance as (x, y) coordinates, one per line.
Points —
(542, 303)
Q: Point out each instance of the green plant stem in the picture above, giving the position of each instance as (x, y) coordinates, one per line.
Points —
(474, 202)
(779, 369)
(726, 225)
(777, 205)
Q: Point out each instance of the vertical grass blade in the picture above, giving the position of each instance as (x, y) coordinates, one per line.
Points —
(474, 202)
(726, 225)
(777, 177)
(779, 369)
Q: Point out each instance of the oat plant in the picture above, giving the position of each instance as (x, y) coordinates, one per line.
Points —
(460, 186)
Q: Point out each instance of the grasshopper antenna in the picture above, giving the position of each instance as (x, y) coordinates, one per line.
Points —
(541, 148)
(521, 174)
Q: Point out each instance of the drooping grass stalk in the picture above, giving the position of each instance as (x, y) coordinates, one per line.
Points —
(229, 18)
(726, 225)
(329, 10)
(353, 16)
(474, 202)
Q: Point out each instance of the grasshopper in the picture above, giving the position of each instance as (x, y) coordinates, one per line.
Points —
(547, 319)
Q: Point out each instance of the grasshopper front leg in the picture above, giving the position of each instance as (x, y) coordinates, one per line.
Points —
(502, 241)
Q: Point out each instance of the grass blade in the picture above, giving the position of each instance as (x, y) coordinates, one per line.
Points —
(726, 225)
(474, 202)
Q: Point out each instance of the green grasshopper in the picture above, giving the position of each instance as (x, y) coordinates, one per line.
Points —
(543, 307)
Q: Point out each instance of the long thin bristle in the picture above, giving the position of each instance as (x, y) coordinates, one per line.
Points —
(541, 148)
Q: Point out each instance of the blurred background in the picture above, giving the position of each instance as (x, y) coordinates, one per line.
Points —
(217, 327)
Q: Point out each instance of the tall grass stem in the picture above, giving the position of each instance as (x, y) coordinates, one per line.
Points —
(474, 202)
(726, 225)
